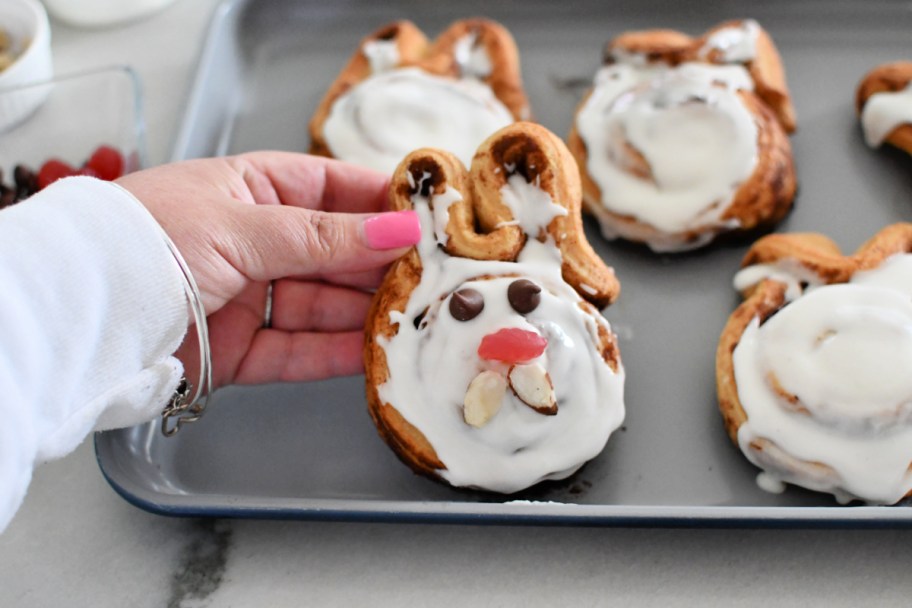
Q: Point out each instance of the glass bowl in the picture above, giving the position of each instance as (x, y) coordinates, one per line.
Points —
(82, 112)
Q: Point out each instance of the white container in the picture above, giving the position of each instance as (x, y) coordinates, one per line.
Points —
(25, 20)
(102, 13)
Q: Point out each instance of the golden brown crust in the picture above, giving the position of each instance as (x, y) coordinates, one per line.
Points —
(820, 255)
(767, 298)
(887, 78)
(436, 58)
(535, 153)
(766, 196)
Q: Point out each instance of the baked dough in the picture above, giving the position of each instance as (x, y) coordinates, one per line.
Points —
(400, 92)
(488, 364)
(883, 102)
(682, 139)
(812, 368)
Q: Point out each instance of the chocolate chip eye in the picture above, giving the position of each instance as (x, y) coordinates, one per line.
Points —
(524, 296)
(466, 304)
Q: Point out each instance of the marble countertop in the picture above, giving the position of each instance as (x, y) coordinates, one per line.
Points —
(76, 543)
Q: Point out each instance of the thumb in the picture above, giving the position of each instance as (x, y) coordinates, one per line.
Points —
(282, 241)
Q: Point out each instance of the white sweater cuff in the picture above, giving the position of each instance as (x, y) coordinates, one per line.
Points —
(92, 307)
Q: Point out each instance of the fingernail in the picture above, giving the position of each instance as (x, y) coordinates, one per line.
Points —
(392, 230)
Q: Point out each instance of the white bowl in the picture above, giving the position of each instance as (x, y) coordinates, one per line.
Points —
(102, 13)
(25, 20)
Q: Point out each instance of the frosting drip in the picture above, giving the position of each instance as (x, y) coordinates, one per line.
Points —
(884, 112)
(530, 204)
(791, 272)
(734, 44)
(826, 380)
(471, 57)
(669, 146)
(381, 54)
(432, 364)
(379, 121)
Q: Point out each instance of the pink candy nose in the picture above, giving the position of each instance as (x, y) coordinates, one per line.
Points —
(512, 345)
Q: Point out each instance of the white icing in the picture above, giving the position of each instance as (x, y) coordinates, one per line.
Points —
(795, 275)
(895, 272)
(695, 134)
(382, 55)
(383, 118)
(432, 365)
(531, 206)
(735, 44)
(844, 351)
(590, 290)
(471, 57)
(883, 112)
(770, 483)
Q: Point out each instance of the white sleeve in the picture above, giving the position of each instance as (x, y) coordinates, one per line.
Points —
(92, 307)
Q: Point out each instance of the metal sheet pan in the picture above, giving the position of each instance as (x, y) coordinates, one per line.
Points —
(311, 451)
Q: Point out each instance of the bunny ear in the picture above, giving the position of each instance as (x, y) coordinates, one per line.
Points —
(812, 251)
(769, 77)
(527, 159)
(822, 256)
(483, 49)
(463, 225)
(886, 78)
(473, 219)
(723, 44)
(666, 46)
(894, 239)
(396, 44)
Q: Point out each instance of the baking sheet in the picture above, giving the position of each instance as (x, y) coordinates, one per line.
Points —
(311, 451)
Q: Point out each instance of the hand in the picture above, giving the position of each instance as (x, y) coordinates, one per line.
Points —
(308, 224)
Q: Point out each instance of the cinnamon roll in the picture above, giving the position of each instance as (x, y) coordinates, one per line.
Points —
(682, 139)
(883, 101)
(488, 364)
(813, 367)
(399, 92)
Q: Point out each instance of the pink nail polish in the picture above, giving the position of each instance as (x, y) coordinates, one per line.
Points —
(392, 230)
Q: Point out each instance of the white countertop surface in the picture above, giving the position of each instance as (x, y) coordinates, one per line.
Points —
(76, 543)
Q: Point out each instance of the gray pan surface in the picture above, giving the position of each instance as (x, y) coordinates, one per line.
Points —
(311, 451)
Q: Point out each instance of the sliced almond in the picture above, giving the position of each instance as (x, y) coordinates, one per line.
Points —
(483, 398)
(532, 385)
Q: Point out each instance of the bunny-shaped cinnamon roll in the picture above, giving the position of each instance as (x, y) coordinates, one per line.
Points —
(488, 363)
(813, 369)
(682, 139)
(399, 92)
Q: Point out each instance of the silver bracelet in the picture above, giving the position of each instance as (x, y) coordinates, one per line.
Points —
(181, 409)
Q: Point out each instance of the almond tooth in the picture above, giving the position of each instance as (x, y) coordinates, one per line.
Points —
(483, 398)
(532, 385)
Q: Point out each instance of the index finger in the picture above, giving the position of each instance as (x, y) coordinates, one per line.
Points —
(312, 182)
